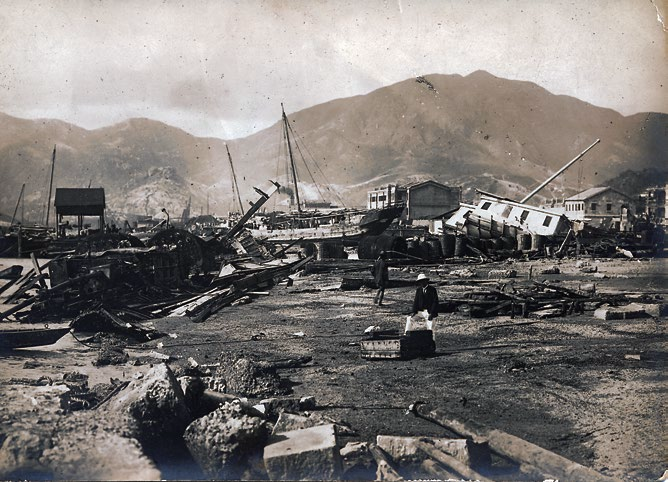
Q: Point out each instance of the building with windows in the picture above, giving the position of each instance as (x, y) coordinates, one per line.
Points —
(653, 205)
(495, 216)
(423, 200)
(602, 207)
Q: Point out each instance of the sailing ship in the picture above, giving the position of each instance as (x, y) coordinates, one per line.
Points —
(21, 240)
(346, 225)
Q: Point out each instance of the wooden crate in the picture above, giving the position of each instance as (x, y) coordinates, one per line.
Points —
(411, 345)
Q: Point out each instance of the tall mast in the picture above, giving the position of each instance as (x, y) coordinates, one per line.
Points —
(551, 178)
(16, 209)
(48, 201)
(292, 159)
(235, 186)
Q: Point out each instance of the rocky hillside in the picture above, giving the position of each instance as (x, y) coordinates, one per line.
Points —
(477, 131)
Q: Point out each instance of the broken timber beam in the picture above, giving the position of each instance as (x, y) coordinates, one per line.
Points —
(437, 470)
(515, 448)
(451, 462)
(38, 270)
(386, 469)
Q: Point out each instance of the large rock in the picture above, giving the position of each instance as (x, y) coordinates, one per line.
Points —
(306, 454)
(226, 442)
(244, 376)
(20, 455)
(98, 446)
(156, 403)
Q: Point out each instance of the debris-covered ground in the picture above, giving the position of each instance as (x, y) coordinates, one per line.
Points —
(588, 388)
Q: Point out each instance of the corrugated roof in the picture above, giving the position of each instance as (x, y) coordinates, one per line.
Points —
(591, 192)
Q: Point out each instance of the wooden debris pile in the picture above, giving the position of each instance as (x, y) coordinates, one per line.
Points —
(127, 286)
(540, 300)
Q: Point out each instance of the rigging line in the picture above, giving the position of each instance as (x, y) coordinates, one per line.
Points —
(312, 159)
(315, 183)
(327, 183)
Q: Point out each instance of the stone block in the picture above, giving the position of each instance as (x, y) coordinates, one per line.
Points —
(502, 273)
(655, 309)
(632, 310)
(306, 454)
(404, 451)
(156, 403)
(288, 422)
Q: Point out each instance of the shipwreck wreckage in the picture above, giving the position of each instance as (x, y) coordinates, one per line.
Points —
(332, 227)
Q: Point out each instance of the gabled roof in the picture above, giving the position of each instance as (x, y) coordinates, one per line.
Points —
(591, 192)
(411, 185)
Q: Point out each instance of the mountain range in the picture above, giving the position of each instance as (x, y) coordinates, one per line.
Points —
(476, 131)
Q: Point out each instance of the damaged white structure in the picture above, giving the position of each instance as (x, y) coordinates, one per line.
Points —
(495, 217)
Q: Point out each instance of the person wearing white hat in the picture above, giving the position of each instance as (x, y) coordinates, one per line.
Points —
(425, 302)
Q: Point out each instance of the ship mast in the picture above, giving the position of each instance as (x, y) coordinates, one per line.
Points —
(292, 160)
(48, 201)
(18, 203)
(235, 186)
(553, 176)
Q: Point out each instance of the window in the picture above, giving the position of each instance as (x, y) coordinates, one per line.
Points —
(506, 211)
(548, 220)
(608, 207)
(524, 215)
(486, 205)
(593, 207)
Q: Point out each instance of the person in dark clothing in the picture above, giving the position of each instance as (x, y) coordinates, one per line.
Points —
(425, 302)
(381, 277)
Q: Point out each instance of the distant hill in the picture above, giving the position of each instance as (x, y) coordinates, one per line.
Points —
(634, 182)
(477, 131)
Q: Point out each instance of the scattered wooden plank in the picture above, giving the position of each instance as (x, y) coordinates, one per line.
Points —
(38, 270)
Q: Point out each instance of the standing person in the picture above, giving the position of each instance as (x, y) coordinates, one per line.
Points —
(381, 277)
(425, 302)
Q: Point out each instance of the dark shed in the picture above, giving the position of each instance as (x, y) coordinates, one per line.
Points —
(79, 202)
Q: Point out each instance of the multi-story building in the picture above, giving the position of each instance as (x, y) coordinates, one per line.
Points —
(602, 207)
(423, 200)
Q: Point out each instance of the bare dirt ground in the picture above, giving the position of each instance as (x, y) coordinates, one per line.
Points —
(567, 384)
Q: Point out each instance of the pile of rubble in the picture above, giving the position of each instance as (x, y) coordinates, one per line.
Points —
(230, 437)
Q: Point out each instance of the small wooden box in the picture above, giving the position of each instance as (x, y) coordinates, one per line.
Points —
(411, 345)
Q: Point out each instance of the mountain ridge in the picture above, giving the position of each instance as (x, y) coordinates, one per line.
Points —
(479, 130)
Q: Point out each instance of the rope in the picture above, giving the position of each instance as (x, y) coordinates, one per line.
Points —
(315, 163)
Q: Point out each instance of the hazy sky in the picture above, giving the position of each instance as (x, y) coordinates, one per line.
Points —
(221, 67)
